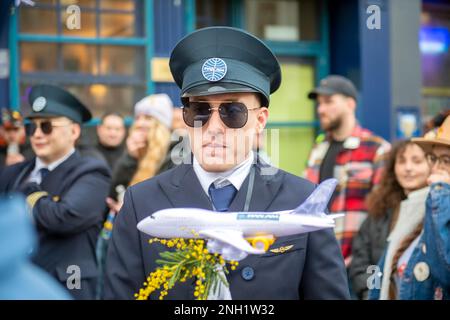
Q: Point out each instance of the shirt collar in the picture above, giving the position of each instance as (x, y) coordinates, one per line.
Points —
(235, 176)
(52, 166)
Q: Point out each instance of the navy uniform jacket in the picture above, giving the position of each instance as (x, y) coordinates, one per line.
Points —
(68, 221)
(312, 269)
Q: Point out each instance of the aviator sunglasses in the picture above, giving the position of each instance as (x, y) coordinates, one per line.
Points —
(233, 114)
(45, 126)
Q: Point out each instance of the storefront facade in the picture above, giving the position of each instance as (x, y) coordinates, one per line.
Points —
(120, 53)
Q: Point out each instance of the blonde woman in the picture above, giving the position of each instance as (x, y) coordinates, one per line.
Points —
(416, 263)
(146, 155)
(155, 153)
(146, 145)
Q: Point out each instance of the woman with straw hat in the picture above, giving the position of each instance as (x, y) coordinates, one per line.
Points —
(421, 268)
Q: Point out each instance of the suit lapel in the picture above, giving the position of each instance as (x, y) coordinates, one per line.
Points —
(265, 188)
(184, 189)
(23, 174)
(55, 181)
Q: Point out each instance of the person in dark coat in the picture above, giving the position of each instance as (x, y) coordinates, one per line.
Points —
(406, 171)
(230, 71)
(65, 191)
(111, 134)
(152, 117)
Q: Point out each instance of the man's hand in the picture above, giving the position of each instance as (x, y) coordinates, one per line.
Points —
(439, 176)
(348, 261)
(114, 205)
(136, 143)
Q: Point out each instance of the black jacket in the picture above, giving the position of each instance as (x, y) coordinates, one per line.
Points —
(312, 269)
(68, 220)
(126, 166)
(368, 247)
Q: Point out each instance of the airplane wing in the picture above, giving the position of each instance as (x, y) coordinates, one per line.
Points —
(233, 238)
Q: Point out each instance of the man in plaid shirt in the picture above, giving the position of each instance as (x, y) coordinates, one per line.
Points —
(347, 152)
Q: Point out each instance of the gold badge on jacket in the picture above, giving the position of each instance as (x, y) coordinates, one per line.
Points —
(282, 249)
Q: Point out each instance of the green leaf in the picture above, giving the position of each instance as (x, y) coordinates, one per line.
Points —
(169, 255)
(174, 277)
(223, 279)
(163, 262)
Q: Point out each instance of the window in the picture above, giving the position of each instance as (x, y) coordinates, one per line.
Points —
(283, 20)
(107, 77)
(212, 13)
(103, 18)
(290, 105)
(292, 29)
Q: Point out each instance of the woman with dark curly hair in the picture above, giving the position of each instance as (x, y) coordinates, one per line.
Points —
(403, 182)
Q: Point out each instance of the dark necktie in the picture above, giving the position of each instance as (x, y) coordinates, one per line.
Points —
(222, 197)
(44, 172)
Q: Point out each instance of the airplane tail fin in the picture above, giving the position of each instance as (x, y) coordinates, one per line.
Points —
(317, 201)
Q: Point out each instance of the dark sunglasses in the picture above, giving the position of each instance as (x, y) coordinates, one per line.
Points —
(233, 114)
(45, 126)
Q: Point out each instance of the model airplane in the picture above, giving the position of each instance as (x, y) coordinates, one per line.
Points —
(230, 233)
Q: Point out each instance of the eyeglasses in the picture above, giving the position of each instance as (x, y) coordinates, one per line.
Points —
(444, 160)
(233, 114)
(45, 126)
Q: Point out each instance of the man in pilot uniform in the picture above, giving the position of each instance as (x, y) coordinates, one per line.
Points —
(66, 192)
(226, 76)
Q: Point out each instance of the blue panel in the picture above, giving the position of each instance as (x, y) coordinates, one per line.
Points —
(4, 29)
(171, 89)
(375, 78)
(344, 40)
(169, 22)
(14, 102)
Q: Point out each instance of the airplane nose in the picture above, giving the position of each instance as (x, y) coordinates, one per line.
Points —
(146, 225)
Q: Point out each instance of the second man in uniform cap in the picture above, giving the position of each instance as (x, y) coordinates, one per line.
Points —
(66, 192)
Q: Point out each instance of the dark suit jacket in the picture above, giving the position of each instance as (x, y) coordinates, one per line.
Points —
(69, 219)
(312, 269)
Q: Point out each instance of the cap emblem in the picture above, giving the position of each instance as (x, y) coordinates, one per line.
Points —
(214, 69)
(39, 104)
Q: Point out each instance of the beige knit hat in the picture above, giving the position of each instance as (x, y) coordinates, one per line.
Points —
(158, 106)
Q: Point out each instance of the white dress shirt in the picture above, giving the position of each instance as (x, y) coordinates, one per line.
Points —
(35, 175)
(234, 176)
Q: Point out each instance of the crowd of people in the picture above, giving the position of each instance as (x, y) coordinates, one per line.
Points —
(86, 200)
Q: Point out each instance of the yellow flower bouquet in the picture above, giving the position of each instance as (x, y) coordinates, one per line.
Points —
(188, 259)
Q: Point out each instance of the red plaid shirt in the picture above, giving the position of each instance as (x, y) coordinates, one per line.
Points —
(357, 168)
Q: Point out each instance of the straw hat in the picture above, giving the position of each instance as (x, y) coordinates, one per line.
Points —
(439, 138)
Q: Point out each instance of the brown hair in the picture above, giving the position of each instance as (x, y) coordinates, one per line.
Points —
(389, 193)
(155, 153)
(403, 246)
